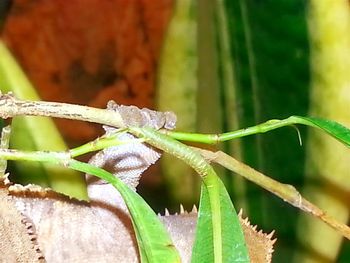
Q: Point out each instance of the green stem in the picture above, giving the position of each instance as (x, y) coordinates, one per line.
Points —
(101, 143)
(36, 156)
(215, 138)
(63, 156)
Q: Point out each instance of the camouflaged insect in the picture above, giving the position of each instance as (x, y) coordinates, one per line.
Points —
(135, 117)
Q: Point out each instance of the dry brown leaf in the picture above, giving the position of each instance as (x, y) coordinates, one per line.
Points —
(74, 231)
(17, 237)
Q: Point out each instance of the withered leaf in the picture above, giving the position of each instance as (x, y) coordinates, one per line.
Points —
(17, 237)
(69, 230)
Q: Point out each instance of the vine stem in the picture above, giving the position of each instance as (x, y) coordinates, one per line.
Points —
(215, 138)
(101, 143)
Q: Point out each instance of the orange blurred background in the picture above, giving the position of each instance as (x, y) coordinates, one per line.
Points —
(88, 52)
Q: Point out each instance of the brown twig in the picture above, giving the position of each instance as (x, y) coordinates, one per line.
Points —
(285, 191)
(11, 107)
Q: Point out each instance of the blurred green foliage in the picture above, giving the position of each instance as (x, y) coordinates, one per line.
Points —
(270, 51)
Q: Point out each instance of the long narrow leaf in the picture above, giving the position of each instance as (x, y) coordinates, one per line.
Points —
(154, 242)
(336, 130)
(234, 247)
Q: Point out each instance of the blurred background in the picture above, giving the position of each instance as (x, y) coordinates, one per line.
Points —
(220, 65)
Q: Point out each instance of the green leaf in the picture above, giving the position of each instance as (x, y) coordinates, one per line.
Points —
(336, 130)
(154, 242)
(36, 133)
(233, 243)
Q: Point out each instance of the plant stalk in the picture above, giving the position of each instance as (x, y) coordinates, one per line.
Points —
(287, 192)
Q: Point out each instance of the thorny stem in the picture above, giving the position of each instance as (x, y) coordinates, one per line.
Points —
(287, 192)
